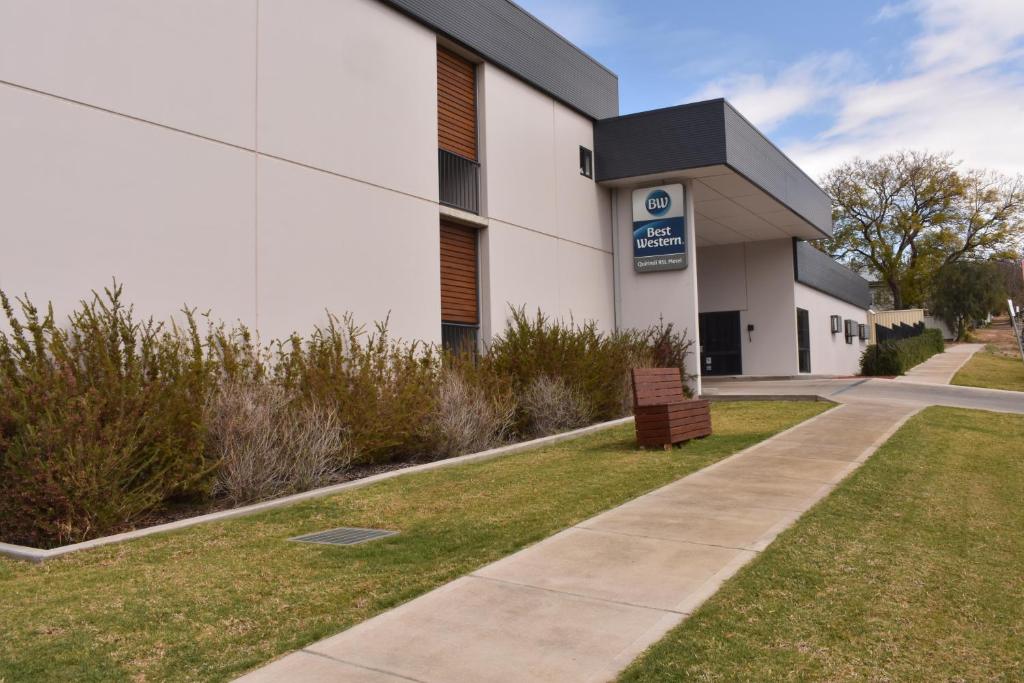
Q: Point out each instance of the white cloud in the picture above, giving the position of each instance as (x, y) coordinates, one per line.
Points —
(770, 101)
(962, 91)
(893, 11)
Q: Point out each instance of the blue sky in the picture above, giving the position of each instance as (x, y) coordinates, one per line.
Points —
(826, 80)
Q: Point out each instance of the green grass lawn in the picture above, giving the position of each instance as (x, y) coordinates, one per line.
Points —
(210, 602)
(911, 570)
(992, 370)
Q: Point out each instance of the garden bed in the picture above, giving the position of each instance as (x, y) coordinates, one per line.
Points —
(110, 422)
(370, 475)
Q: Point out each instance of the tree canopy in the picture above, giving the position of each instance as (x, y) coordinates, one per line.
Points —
(965, 292)
(904, 216)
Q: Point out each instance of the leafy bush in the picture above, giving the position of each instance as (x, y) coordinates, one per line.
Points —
(383, 390)
(100, 420)
(591, 364)
(668, 349)
(468, 418)
(270, 445)
(108, 419)
(896, 357)
(551, 406)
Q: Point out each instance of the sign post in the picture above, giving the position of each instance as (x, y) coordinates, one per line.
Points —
(1017, 325)
(659, 229)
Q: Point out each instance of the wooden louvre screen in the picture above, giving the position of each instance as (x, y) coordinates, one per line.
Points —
(458, 274)
(456, 104)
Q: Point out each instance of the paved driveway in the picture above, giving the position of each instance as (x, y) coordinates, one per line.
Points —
(856, 390)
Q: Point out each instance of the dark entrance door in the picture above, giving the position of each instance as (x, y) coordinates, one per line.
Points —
(803, 339)
(720, 343)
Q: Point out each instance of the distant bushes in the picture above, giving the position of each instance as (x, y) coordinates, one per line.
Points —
(896, 357)
(107, 420)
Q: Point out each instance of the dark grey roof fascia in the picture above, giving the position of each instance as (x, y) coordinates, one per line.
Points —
(817, 270)
(700, 134)
(510, 37)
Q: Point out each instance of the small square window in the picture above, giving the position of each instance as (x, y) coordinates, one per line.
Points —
(586, 162)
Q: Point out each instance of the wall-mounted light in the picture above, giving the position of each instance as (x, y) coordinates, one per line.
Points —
(863, 329)
(851, 330)
(837, 323)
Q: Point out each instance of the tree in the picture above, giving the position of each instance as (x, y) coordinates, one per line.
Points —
(905, 215)
(966, 291)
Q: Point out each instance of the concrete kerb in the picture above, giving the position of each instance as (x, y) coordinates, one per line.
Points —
(727, 398)
(30, 554)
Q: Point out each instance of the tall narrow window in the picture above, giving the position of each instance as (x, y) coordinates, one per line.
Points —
(457, 165)
(803, 339)
(460, 318)
(586, 162)
(456, 104)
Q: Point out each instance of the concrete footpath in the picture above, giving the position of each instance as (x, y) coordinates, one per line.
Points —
(940, 368)
(582, 604)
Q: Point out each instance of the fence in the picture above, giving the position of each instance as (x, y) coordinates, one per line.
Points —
(890, 320)
(898, 331)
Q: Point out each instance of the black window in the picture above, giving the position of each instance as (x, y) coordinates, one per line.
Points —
(586, 162)
(803, 339)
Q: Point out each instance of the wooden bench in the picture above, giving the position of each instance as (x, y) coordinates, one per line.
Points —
(664, 416)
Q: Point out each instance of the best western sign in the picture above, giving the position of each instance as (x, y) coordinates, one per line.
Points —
(659, 229)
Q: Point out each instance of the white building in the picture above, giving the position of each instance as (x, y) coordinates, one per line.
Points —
(434, 161)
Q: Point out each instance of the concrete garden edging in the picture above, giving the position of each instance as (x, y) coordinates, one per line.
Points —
(21, 552)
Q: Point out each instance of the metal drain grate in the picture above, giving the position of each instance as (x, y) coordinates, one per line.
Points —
(345, 535)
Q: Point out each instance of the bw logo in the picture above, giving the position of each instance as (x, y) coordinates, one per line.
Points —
(657, 202)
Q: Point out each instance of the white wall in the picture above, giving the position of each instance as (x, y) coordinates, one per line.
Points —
(187, 64)
(323, 244)
(174, 191)
(548, 244)
(755, 278)
(349, 87)
(830, 354)
(87, 197)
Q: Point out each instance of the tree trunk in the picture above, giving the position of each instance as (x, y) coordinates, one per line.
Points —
(897, 293)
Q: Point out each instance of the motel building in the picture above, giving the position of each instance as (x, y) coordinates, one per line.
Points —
(432, 162)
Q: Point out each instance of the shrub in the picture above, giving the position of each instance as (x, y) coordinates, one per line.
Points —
(383, 390)
(896, 357)
(594, 365)
(468, 418)
(551, 405)
(108, 419)
(268, 444)
(100, 421)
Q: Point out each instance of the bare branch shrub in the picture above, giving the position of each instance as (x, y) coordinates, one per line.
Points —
(551, 405)
(467, 419)
(268, 444)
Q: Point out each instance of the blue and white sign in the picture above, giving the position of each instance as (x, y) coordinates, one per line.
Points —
(659, 229)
